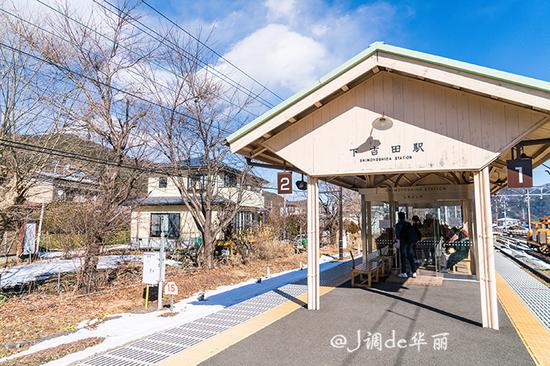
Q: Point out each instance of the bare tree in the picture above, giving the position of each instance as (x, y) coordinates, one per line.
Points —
(110, 112)
(31, 97)
(190, 133)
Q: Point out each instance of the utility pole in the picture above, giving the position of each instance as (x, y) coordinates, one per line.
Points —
(340, 226)
(161, 272)
(529, 210)
(39, 236)
(284, 219)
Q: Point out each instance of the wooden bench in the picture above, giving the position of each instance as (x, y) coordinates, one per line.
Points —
(372, 268)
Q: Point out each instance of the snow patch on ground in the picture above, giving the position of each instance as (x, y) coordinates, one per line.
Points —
(40, 270)
(127, 327)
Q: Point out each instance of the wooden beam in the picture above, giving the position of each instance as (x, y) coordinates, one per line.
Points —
(345, 88)
(292, 120)
(257, 151)
(375, 70)
(318, 104)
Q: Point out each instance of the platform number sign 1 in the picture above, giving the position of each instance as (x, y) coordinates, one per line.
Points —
(284, 182)
(520, 173)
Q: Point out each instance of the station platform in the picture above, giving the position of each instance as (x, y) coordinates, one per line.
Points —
(388, 324)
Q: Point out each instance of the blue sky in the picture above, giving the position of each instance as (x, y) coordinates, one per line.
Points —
(287, 44)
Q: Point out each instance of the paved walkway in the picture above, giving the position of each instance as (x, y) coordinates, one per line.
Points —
(411, 314)
(437, 325)
(157, 347)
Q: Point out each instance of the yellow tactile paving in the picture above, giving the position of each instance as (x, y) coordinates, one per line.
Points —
(214, 345)
(531, 331)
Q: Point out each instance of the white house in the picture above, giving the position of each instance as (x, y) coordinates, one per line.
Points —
(165, 210)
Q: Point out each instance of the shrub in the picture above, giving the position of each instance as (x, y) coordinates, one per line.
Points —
(271, 249)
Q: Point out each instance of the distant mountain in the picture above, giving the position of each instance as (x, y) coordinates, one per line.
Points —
(513, 201)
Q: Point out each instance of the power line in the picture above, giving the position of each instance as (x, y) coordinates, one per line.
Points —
(176, 48)
(205, 45)
(133, 95)
(111, 40)
(80, 157)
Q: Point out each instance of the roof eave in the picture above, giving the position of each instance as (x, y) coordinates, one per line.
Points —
(460, 66)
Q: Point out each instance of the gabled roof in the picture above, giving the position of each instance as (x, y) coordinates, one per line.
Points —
(524, 84)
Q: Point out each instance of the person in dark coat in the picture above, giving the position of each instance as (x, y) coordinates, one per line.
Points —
(406, 235)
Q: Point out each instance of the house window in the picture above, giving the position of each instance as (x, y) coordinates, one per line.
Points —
(169, 223)
(163, 182)
(195, 182)
(229, 180)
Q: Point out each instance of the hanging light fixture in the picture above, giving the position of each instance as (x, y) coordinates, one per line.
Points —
(382, 123)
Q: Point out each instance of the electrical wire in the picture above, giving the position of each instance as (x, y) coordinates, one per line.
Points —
(176, 48)
(80, 157)
(133, 95)
(157, 64)
(208, 47)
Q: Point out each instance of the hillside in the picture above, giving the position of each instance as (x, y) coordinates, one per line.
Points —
(513, 201)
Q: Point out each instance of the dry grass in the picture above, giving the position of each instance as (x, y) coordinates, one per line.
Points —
(55, 353)
(271, 249)
(41, 314)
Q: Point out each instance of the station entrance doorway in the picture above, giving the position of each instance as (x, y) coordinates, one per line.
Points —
(443, 224)
(445, 244)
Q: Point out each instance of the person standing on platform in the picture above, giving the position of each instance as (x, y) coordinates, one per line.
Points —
(417, 236)
(405, 233)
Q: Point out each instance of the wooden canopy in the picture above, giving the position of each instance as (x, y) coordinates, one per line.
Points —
(448, 119)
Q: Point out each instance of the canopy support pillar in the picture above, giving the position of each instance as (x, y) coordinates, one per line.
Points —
(369, 227)
(485, 252)
(468, 221)
(364, 228)
(313, 283)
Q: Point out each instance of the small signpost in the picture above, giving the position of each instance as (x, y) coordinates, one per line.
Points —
(171, 289)
(284, 182)
(151, 268)
(520, 173)
(153, 273)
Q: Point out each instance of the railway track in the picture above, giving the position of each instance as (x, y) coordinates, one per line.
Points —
(517, 250)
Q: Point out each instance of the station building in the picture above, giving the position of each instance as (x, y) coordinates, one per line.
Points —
(407, 130)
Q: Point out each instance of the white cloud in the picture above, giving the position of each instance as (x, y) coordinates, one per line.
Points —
(281, 9)
(292, 43)
(279, 57)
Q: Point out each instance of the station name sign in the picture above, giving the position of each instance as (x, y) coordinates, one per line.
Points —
(393, 153)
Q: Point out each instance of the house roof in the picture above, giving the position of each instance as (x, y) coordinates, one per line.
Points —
(197, 163)
(449, 64)
(168, 201)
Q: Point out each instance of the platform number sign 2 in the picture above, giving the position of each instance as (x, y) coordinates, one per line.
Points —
(284, 182)
(520, 173)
